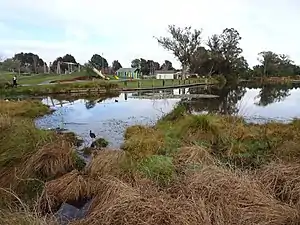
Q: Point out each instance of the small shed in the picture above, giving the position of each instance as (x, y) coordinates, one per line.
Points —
(128, 73)
(166, 74)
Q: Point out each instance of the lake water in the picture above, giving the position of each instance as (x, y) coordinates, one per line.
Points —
(108, 118)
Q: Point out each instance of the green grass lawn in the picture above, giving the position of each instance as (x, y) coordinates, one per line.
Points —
(37, 78)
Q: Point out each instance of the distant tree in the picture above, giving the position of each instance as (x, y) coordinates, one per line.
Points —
(63, 67)
(116, 65)
(145, 66)
(99, 62)
(156, 66)
(225, 53)
(183, 43)
(269, 61)
(167, 65)
(273, 64)
(69, 58)
(11, 65)
(136, 63)
(29, 61)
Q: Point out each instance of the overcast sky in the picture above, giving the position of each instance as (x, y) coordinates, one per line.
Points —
(124, 29)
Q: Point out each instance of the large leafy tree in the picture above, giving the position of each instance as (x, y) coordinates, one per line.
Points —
(69, 58)
(167, 65)
(183, 43)
(222, 55)
(29, 61)
(99, 62)
(225, 53)
(11, 65)
(63, 66)
(146, 66)
(116, 65)
(273, 64)
(136, 63)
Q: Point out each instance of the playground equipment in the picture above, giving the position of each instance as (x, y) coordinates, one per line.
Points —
(100, 73)
(116, 77)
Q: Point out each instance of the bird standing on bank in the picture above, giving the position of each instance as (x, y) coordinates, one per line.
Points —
(92, 135)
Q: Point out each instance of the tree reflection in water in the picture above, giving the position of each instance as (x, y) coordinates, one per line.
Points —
(273, 93)
(226, 103)
(229, 97)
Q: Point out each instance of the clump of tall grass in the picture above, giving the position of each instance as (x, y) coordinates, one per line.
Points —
(51, 160)
(70, 187)
(25, 108)
(195, 156)
(106, 162)
(120, 203)
(143, 142)
(177, 113)
(283, 181)
(232, 198)
(158, 168)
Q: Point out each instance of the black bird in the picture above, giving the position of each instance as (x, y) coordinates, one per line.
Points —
(116, 100)
(92, 135)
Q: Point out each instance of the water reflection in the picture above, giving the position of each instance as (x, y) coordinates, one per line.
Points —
(226, 103)
(108, 118)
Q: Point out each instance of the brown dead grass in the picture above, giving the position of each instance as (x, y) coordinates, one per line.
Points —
(192, 156)
(119, 203)
(106, 162)
(52, 160)
(72, 186)
(233, 199)
(283, 181)
(25, 218)
(25, 108)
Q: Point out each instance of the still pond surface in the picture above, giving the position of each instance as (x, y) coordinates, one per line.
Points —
(109, 117)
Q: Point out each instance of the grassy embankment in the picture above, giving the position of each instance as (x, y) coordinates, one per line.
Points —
(67, 88)
(29, 157)
(274, 80)
(186, 170)
(99, 86)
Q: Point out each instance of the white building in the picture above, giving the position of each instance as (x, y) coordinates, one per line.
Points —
(166, 74)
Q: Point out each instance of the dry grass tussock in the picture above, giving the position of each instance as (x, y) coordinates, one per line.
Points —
(72, 186)
(143, 141)
(53, 159)
(25, 108)
(106, 162)
(25, 218)
(19, 140)
(193, 155)
(119, 203)
(283, 181)
(231, 198)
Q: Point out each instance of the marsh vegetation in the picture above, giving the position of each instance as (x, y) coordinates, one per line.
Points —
(186, 169)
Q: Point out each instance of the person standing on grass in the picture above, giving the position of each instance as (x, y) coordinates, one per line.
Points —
(14, 81)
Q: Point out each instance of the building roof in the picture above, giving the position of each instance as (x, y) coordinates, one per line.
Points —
(164, 71)
(122, 70)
